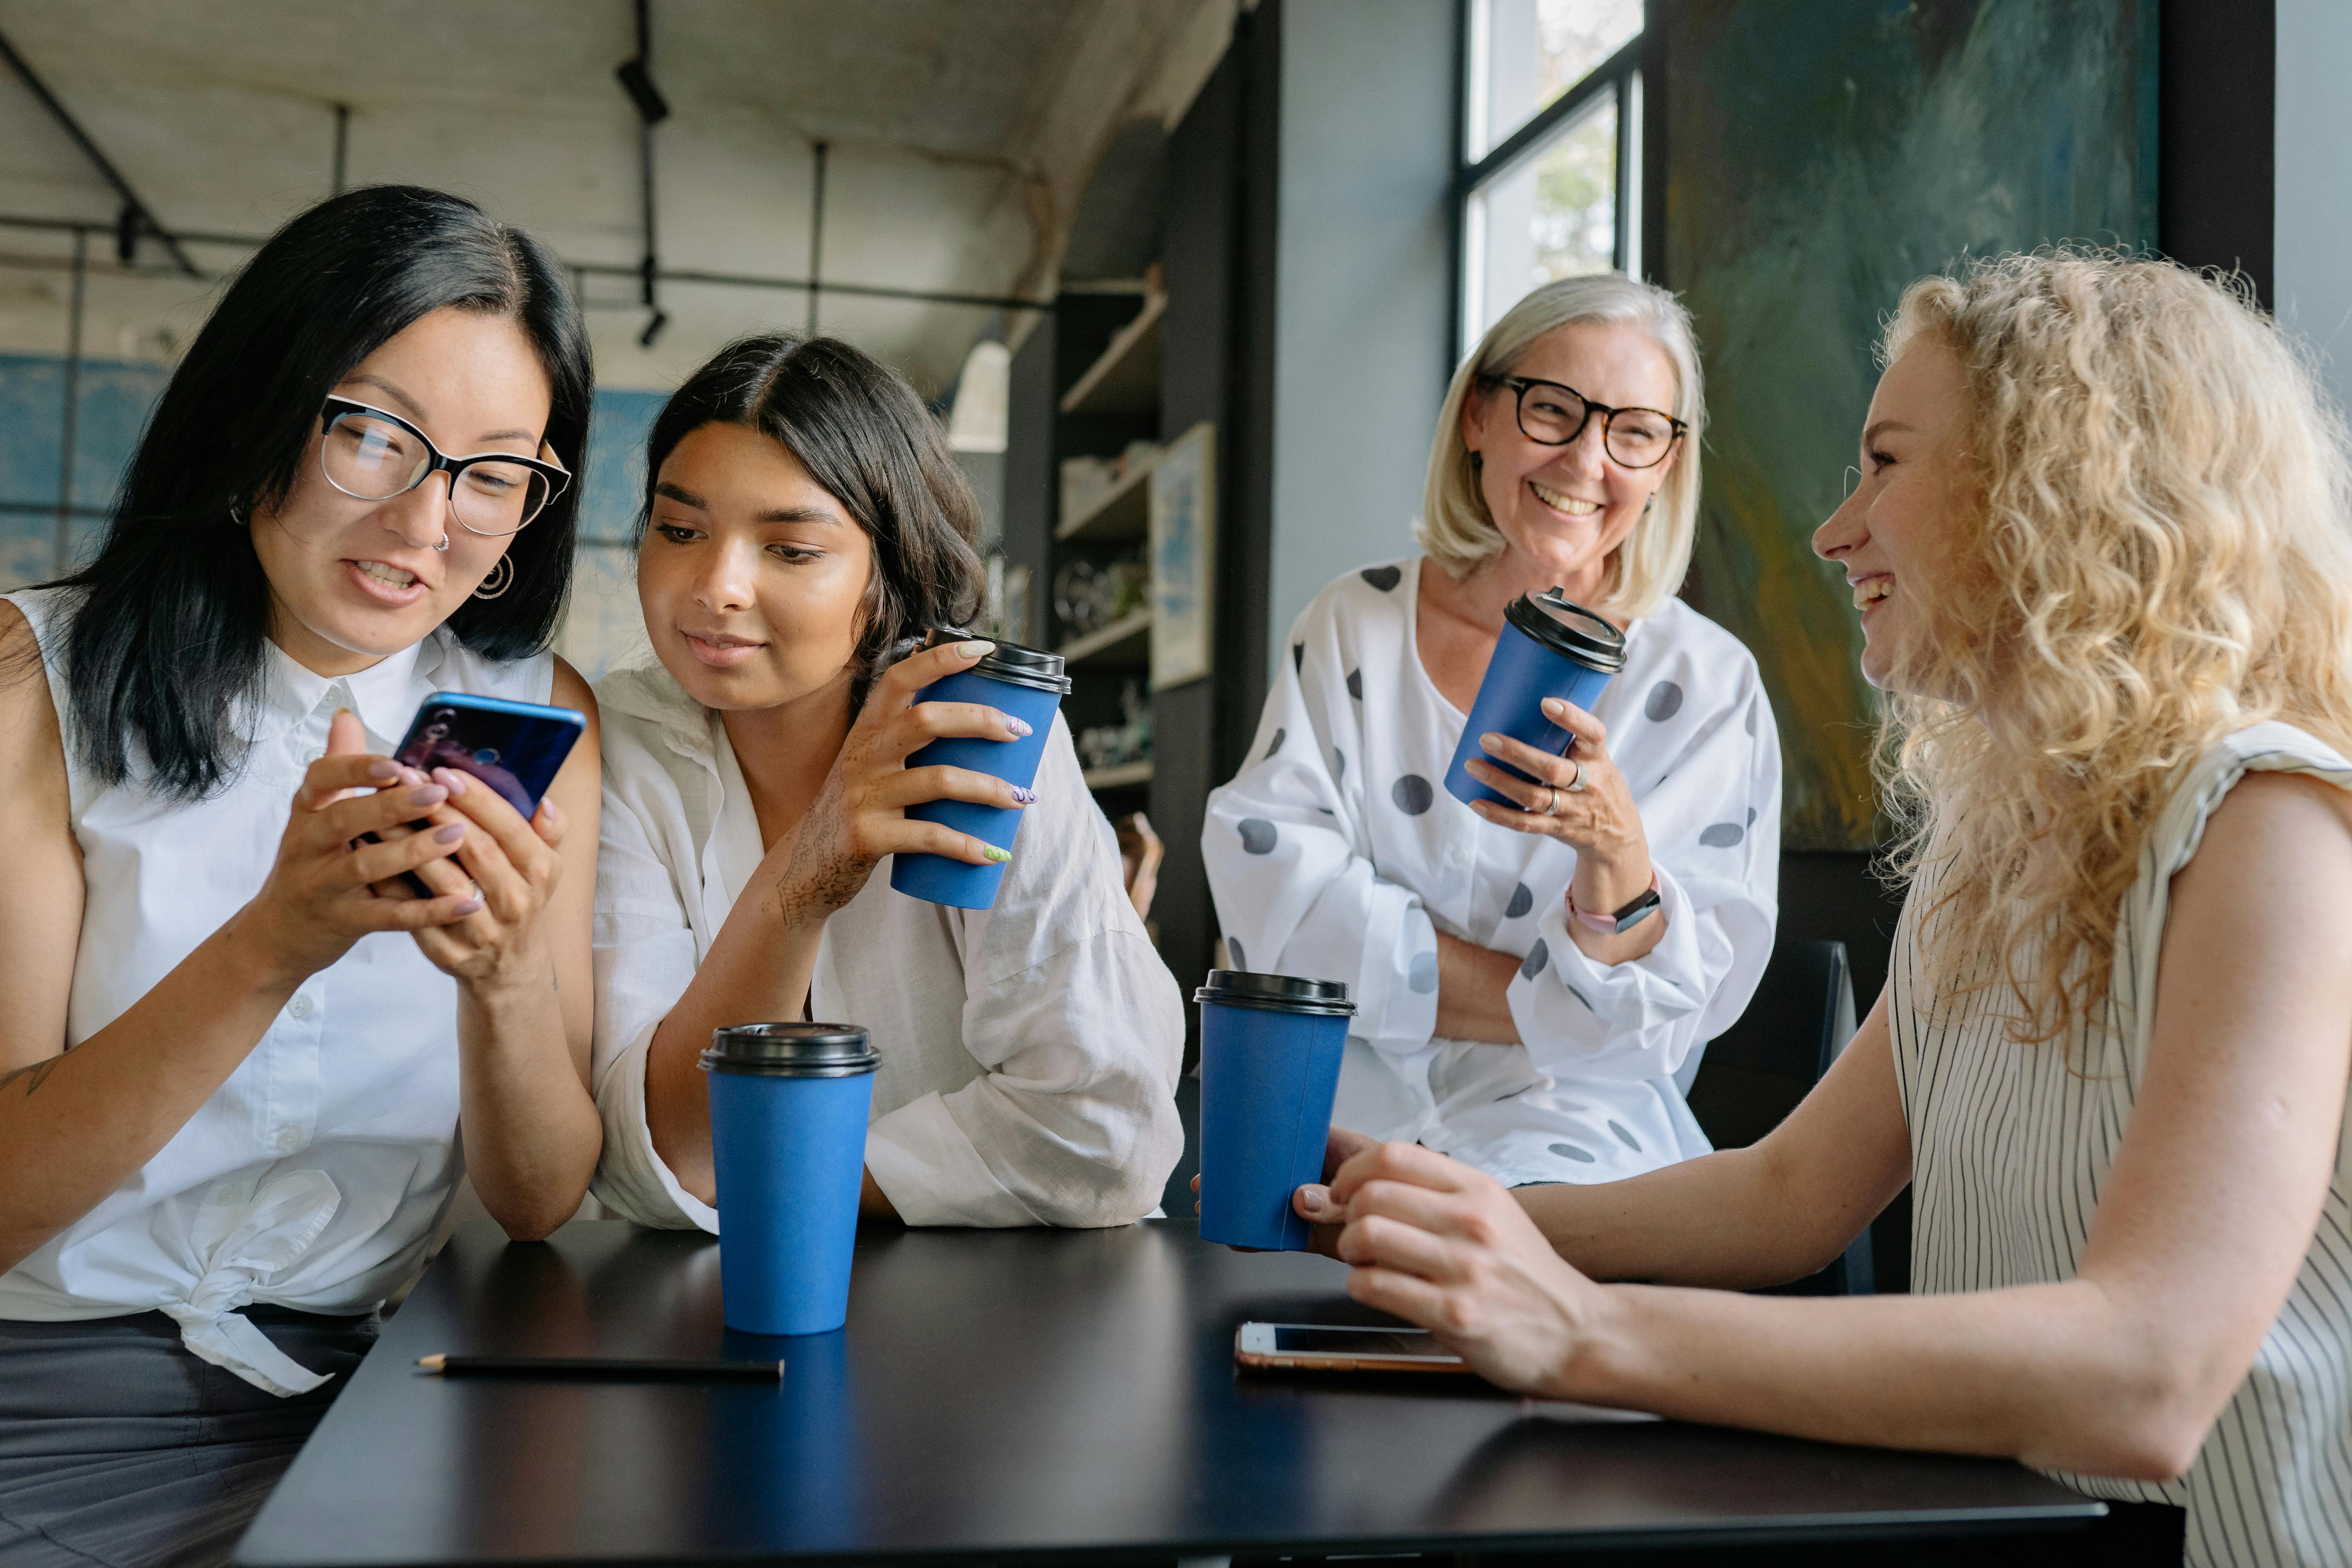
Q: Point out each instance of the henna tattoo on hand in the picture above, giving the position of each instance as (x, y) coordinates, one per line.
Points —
(34, 1075)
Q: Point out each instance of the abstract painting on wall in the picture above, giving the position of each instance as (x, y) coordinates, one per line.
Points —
(1822, 154)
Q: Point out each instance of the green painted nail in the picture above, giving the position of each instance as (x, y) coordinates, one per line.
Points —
(999, 856)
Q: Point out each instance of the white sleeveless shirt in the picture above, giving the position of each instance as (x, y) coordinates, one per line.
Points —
(2010, 1149)
(314, 1177)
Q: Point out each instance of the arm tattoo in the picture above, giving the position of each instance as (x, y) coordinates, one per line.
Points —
(34, 1075)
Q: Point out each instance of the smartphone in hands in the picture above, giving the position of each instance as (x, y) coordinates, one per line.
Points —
(515, 747)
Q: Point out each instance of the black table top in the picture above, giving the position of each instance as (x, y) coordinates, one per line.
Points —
(1001, 1392)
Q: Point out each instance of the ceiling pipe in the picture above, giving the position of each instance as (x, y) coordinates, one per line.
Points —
(581, 271)
(637, 80)
(817, 236)
(136, 214)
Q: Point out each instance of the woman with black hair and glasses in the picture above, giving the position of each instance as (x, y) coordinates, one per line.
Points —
(804, 522)
(237, 1047)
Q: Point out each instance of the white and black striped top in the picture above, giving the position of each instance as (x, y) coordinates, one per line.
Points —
(2010, 1151)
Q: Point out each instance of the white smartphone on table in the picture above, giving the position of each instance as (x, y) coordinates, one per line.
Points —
(1337, 1347)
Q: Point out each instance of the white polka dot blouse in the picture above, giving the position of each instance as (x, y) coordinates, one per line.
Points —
(1337, 854)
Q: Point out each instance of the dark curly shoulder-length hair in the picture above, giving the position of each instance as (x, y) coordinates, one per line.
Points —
(164, 641)
(866, 438)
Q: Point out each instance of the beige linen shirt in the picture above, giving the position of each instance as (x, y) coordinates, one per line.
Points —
(1029, 1052)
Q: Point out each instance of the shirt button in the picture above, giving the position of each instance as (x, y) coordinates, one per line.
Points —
(301, 1006)
(289, 1138)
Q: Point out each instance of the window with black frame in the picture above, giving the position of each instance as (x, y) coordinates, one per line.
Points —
(1550, 183)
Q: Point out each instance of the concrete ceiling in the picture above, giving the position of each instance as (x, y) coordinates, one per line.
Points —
(962, 133)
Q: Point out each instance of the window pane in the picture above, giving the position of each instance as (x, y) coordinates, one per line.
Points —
(1552, 213)
(1526, 53)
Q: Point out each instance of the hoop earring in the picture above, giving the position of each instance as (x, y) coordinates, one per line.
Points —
(503, 574)
(236, 517)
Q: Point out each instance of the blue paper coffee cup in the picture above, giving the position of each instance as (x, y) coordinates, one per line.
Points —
(1025, 682)
(788, 1110)
(1548, 648)
(1270, 1051)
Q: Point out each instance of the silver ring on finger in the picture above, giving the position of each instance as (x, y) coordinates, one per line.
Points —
(1575, 784)
(1551, 802)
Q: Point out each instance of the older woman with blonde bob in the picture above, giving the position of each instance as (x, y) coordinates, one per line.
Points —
(1528, 979)
(2102, 550)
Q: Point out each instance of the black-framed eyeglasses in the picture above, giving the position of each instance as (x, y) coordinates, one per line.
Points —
(1553, 415)
(371, 455)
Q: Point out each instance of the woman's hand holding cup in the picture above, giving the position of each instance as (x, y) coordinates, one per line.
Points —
(1583, 799)
(860, 814)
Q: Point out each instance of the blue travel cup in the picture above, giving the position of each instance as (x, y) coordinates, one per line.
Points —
(1270, 1049)
(1549, 648)
(1025, 682)
(788, 1112)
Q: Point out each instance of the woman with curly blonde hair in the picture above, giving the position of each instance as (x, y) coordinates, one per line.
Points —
(2102, 548)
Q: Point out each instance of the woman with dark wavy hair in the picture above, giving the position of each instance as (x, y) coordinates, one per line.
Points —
(804, 522)
(236, 1046)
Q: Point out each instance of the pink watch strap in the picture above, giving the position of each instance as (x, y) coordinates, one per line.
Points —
(1605, 924)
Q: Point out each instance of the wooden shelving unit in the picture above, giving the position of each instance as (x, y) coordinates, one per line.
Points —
(1127, 640)
(1124, 776)
(1123, 513)
(1126, 379)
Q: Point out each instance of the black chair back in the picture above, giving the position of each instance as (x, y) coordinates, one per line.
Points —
(1755, 1072)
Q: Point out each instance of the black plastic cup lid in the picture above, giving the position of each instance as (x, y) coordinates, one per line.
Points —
(1568, 630)
(1277, 993)
(1010, 661)
(790, 1050)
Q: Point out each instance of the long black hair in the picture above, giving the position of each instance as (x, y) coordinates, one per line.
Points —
(864, 436)
(167, 640)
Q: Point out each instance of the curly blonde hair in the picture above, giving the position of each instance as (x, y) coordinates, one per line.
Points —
(2165, 556)
(1455, 527)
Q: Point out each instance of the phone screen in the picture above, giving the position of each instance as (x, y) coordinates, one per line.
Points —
(1303, 1338)
(515, 747)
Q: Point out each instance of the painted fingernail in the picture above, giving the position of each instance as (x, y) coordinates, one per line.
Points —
(1554, 705)
(449, 835)
(1314, 1198)
(999, 856)
(1018, 726)
(430, 794)
(1025, 797)
(468, 907)
(452, 780)
(975, 650)
(387, 772)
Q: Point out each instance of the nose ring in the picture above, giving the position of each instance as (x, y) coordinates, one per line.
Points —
(442, 544)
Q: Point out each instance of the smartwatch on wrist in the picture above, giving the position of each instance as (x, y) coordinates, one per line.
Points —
(1624, 920)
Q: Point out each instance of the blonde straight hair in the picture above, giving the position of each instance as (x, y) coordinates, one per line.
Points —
(2162, 555)
(1455, 527)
